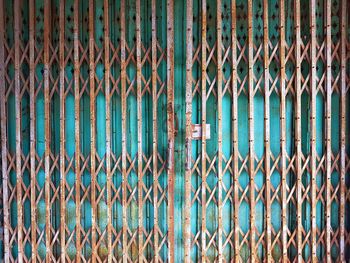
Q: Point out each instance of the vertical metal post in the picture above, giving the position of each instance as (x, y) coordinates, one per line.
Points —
(219, 97)
(251, 130)
(267, 131)
(298, 128)
(3, 118)
(108, 128)
(170, 126)
(313, 128)
(123, 97)
(188, 139)
(47, 99)
(17, 32)
(235, 132)
(92, 128)
(328, 124)
(139, 129)
(155, 130)
(62, 132)
(77, 129)
(204, 120)
(282, 47)
(32, 129)
(342, 126)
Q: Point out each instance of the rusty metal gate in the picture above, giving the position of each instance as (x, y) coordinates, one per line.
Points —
(165, 130)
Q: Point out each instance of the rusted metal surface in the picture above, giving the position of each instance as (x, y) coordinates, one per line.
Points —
(204, 121)
(99, 162)
(188, 132)
(77, 156)
(267, 130)
(3, 113)
(17, 65)
(251, 161)
(298, 157)
(234, 123)
(282, 49)
(123, 102)
(343, 51)
(62, 93)
(313, 92)
(32, 130)
(219, 140)
(328, 131)
(155, 129)
(170, 128)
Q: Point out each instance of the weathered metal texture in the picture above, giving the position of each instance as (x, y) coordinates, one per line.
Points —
(160, 130)
(282, 186)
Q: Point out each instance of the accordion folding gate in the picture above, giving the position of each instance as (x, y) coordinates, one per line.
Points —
(165, 130)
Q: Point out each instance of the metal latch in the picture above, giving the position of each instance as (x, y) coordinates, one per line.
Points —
(170, 154)
(197, 131)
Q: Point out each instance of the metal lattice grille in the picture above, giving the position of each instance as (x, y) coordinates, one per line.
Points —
(99, 103)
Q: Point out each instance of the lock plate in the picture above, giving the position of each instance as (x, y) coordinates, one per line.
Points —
(197, 131)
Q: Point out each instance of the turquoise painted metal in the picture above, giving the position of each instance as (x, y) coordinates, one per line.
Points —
(250, 194)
